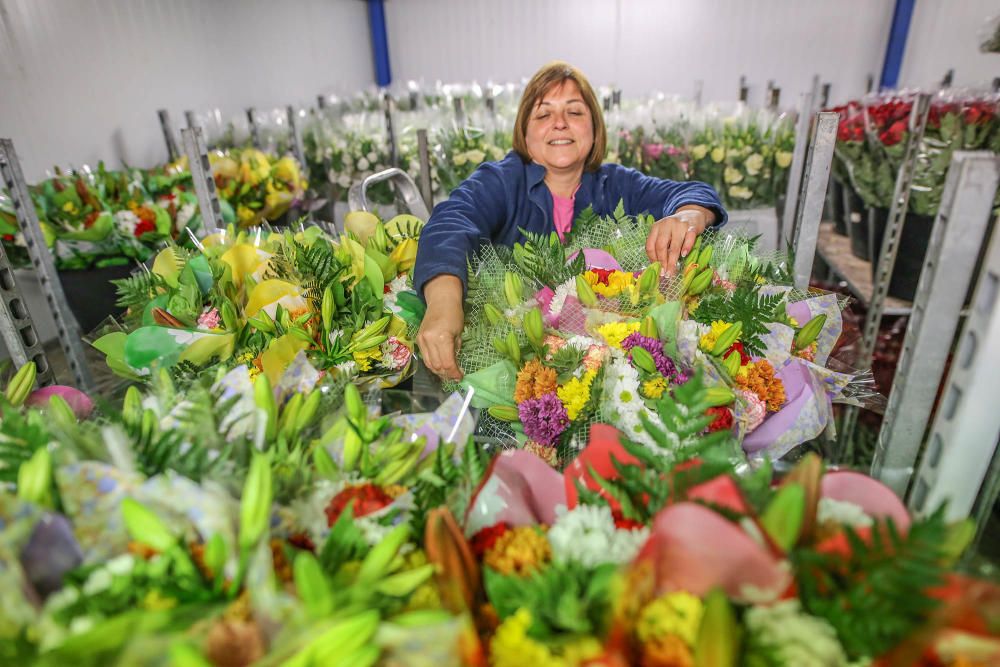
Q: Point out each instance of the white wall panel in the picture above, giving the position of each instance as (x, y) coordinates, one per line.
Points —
(81, 80)
(645, 45)
(944, 35)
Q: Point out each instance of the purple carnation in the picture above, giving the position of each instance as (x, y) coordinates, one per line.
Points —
(544, 419)
(664, 365)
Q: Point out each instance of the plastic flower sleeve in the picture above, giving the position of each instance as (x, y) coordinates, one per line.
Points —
(450, 422)
(519, 489)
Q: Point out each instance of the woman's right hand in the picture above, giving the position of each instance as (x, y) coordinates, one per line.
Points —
(440, 335)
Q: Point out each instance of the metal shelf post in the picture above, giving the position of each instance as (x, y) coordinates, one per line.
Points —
(423, 151)
(966, 431)
(67, 328)
(16, 326)
(955, 241)
(254, 127)
(204, 184)
(795, 170)
(814, 185)
(390, 131)
(169, 135)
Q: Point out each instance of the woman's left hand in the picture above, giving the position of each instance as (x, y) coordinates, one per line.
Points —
(671, 238)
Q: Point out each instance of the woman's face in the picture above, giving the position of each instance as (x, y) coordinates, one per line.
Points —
(560, 130)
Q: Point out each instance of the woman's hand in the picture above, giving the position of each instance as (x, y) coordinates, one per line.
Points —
(671, 238)
(440, 335)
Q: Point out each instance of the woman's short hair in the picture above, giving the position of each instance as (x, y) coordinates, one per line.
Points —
(554, 74)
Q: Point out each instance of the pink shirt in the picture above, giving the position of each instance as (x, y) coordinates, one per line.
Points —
(562, 214)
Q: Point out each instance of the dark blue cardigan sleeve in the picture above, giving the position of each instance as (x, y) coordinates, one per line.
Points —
(661, 197)
(467, 219)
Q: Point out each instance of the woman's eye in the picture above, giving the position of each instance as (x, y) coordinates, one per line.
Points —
(575, 113)
(541, 116)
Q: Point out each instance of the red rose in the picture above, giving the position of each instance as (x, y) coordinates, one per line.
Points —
(484, 540)
(365, 499)
(723, 419)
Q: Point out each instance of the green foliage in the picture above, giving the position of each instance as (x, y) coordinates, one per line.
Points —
(746, 305)
(21, 434)
(562, 598)
(344, 543)
(877, 596)
(542, 257)
(446, 482)
(138, 290)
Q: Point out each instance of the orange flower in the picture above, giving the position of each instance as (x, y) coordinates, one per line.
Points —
(669, 651)
(519, 551)
(534, 381)
(761, 380)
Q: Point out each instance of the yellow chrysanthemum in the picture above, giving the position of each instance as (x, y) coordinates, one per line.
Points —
(744, 371)
(654, 388)
(512, 647)
(708, 340)
(365, 358)
(673, 614)
(615, 332)
(575, 394)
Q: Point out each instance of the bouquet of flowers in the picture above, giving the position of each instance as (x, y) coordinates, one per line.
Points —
(560, 337)
(211, 524)
(629, 557)
(460, 150)
(261, 303)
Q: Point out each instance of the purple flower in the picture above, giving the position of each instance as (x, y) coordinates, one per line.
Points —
(664, 364)
(544, 419)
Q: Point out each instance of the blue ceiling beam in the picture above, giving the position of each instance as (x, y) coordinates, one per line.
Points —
(894, 50)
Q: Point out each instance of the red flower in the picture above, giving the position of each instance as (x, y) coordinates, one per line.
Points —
(723, 419)
(484, 540)
(894, 134)
(603, 275)
(365, 499)
(142, 227)
(8, 237)
(302, 541)
(621, 523)
(91, 218)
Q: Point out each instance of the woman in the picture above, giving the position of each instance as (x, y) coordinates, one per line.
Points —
(551, 176)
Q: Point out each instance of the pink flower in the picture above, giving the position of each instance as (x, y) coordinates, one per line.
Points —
(554, 343)
(653, 151)
(752, 414)
(210, 319)
(595, 357)
(396, 355)
(724, 284)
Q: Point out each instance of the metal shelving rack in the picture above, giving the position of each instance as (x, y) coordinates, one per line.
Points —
(204, 184)
(887, 254)
(957, 236)
(67, 329)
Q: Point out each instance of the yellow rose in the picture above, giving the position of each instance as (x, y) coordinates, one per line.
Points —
(718, 154)
(783, 159)
(459, 159)
(740, 192)
(699, 151)
(731, 175)
(476, 156)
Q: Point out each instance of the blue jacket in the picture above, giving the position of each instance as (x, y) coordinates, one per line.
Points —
(500, 197)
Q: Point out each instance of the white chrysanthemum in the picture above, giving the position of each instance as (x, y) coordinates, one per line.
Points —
(562, 292)
(185, 214)
(126, 222)
(623, 380)
(842, 512)
(581, 343)
(587, 535)
(397, 285)
(785, 632)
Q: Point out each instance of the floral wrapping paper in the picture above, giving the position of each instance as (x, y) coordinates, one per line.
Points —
(92, 493)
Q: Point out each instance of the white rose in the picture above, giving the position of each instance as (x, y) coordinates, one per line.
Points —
(344, 181)
(476, 156)
(459, 159)
(371, 156)
(363, 164)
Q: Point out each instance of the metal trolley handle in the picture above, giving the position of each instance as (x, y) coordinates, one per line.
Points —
(407, 189)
